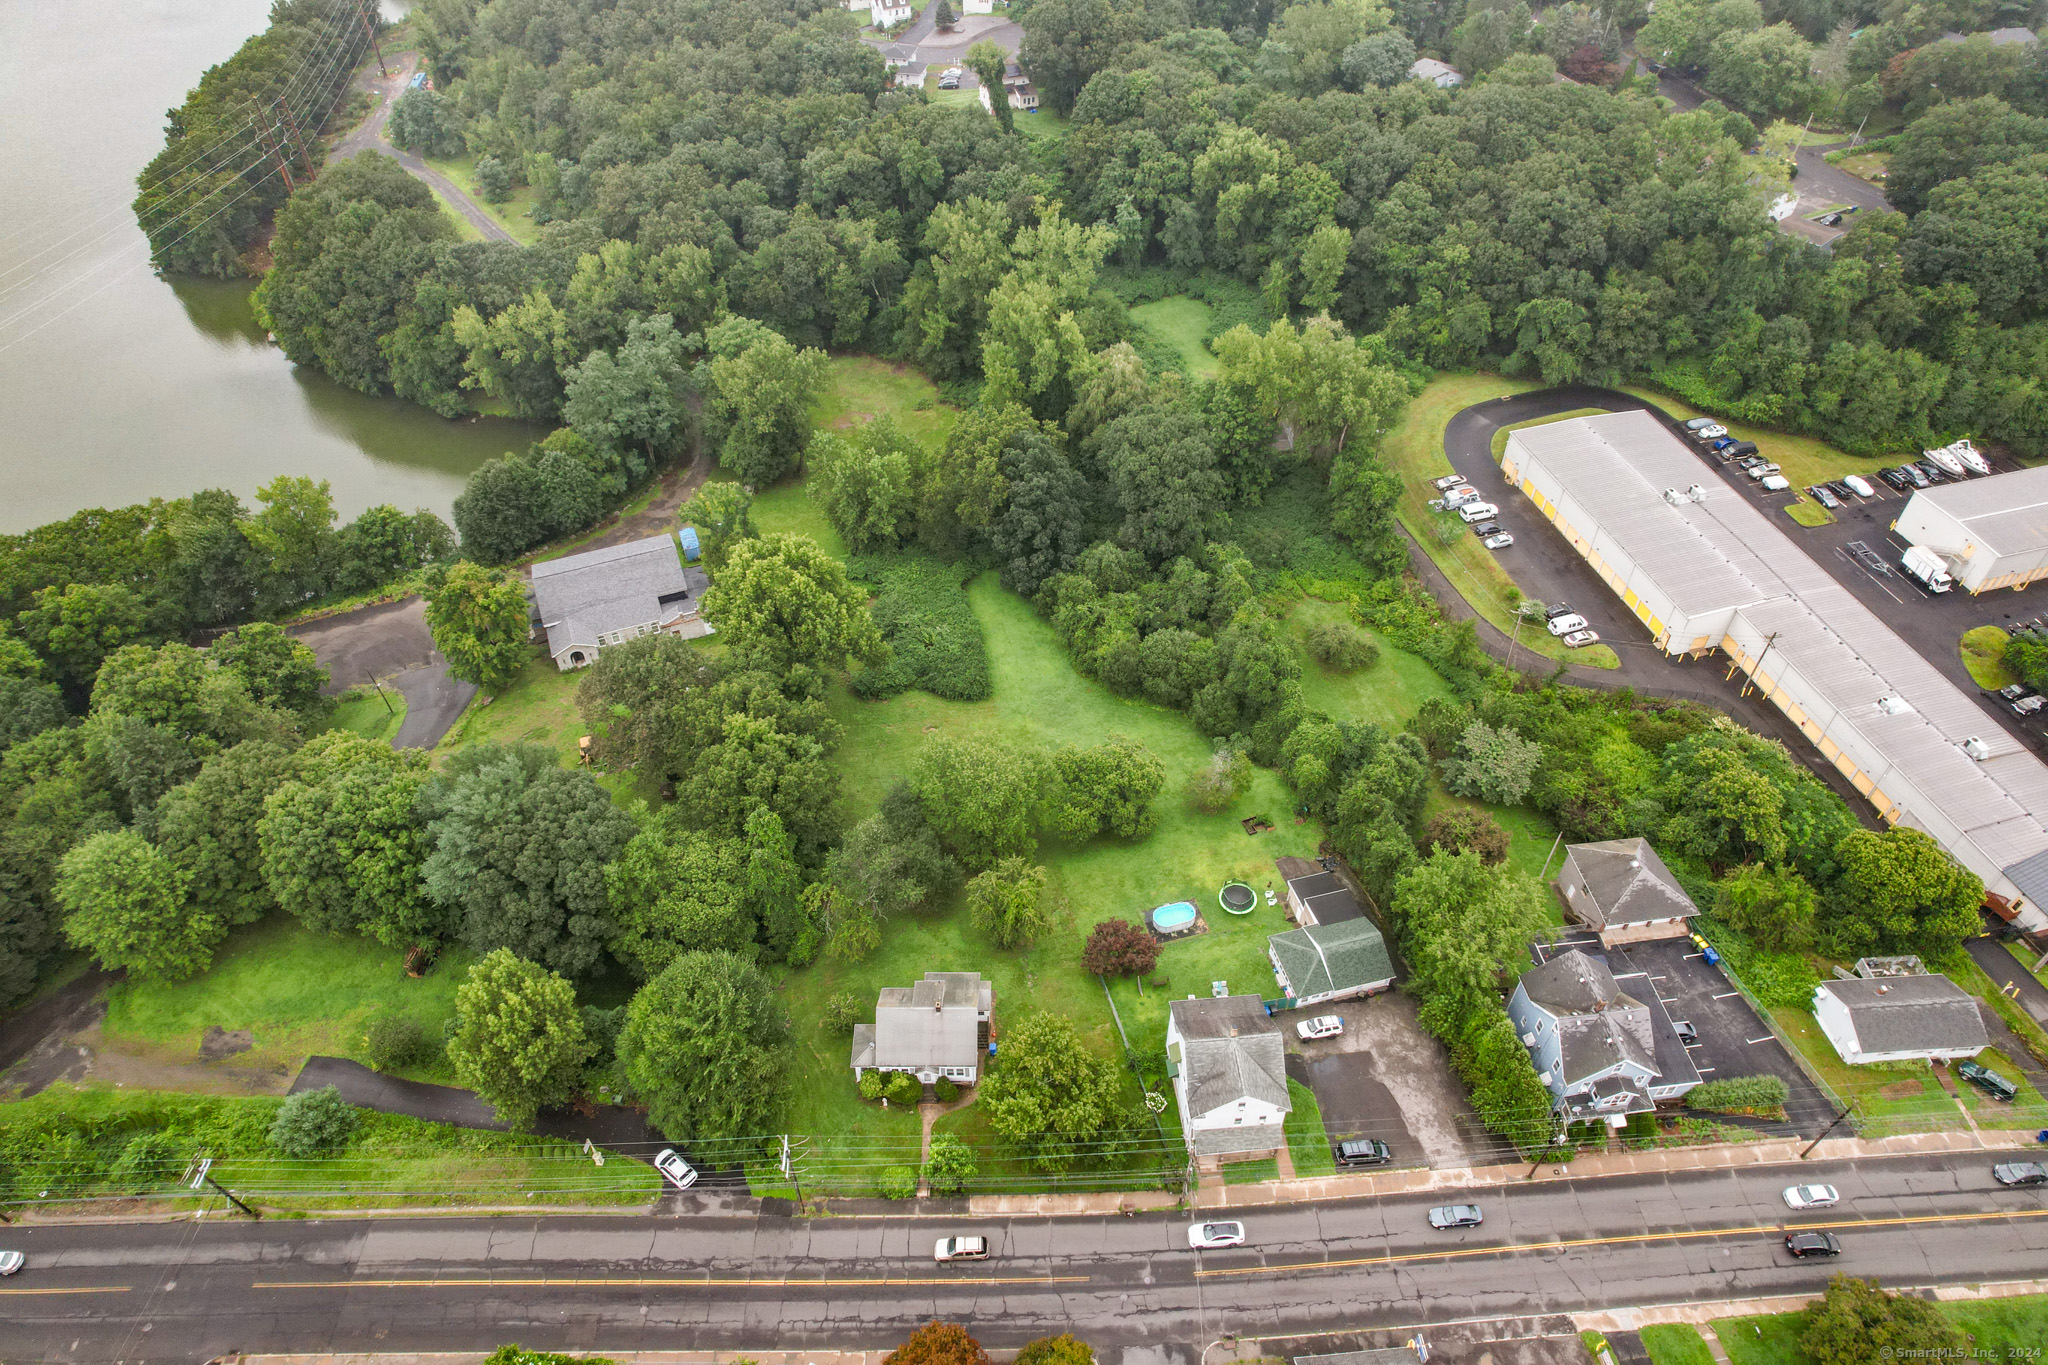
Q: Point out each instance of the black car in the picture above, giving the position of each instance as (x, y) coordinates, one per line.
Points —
(1486, 528)
(1557, 609)
(1842, 490)
(1803, 1244)
(1739, 449)
(1895, 479)
(2020, 1173)
(1932, 472)
(1363, 1152)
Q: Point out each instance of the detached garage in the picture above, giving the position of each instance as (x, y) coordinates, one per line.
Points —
(1993, 532)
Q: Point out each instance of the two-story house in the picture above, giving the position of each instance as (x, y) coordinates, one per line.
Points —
(1602, 1053)
(1229, 1069)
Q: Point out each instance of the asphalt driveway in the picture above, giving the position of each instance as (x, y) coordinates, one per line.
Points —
(1384, 1078)
(389, 642)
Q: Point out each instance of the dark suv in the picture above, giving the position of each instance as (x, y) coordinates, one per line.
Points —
(1988, 1081)
(1803, 1244)
(1363, 1152)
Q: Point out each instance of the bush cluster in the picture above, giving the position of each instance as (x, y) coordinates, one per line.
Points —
(935, 641)
(1739, 1095)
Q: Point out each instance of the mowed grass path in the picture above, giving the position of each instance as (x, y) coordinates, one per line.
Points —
(1181, 321)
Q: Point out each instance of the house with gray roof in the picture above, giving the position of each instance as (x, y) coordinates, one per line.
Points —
(1603, 1053)
(1621, 889)
(1442, 75)
(586, 603)
(1315, 894)
(1324, 962)
(939, 1027)
(1229, 1068)
(1900, 1018)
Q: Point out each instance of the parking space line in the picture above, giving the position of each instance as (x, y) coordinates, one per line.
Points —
(1767, 1038)
(1727, 995)
(1690, 956)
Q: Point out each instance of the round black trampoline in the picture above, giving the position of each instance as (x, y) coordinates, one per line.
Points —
(1238, 898)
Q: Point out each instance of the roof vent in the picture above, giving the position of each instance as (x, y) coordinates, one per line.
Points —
(1893, 705)
(1884, 990)
(1976, 748)
(1697, 493)
(1674, 497)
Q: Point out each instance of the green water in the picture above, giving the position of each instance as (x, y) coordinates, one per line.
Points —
(117, 386)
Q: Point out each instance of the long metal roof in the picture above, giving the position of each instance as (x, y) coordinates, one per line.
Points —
(1721, 552)
(2006, 513)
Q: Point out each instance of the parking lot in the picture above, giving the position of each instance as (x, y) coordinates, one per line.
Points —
(1384, 1078)
(1732, 1041)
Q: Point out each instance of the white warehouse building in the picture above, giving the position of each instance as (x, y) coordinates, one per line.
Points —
(1993, 532)
(1705, 570)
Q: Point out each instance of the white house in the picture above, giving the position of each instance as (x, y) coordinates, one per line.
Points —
(978, 7)
(1899, 1018)
(1622, 890)
(587, 602)
(1602, 1053)
(1229, 1070)
(938, 1027)
(1439, 74)
(886, 13)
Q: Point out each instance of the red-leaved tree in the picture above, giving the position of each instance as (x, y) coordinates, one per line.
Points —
(1118, 947)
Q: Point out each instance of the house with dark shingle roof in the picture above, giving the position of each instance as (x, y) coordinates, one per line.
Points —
(1900, 1018)
(1621, 890)
(1323, 962)
(1596, 1047)
(586, 603)
(936, 1028)
(1316, 895)
(1229, 1068)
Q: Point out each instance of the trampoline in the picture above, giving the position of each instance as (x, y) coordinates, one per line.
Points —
(1171, 919)
(1237, 898)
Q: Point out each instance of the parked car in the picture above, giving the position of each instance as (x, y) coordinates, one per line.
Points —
(1932, 472)
(2020, 1173)
(2027, 706)
(1841, 490)
(1565, 625)
(1748, 462)
(1860, 486)
(1803, 1244)
(1709, 432)
(1915, 475)
(680, 1173)
(1896, 479)
(1455, 1216)
(1209, 1236)
(1363, 1152)
(1775, 483)
(1486, 528)
(11, 1261)
(1322, 1026)
(1989, 1081)
(1723, 445)
(949, 82)
(1698, 423)
(1761, 469)
(1557, 609)
(1478, 511)
(2014, 691)
(961, 1249)
(1831, 220)
(1826, 499)
(1687, 1034)
(1735, 450)
(1447, 481)
(1579, 639)
(1498, 542)
(1811, 1197)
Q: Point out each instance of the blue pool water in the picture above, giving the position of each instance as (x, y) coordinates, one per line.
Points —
(1178, 915)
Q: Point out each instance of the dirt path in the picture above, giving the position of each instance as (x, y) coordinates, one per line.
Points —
(368, 136)
(659, 515)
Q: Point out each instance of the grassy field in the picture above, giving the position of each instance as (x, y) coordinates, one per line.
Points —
(1676, 1343)
(1388, 693)
(1870, 166)
(1181, 322)
(370, 715)
(1801, 459)
(1769, 1340)
(860, 388)
(539, 707)
(1808, 513)
(1983, 649)
(1999, 1329)
(1414, 449)
(512, 215)
(1041, 124)
(296, 991)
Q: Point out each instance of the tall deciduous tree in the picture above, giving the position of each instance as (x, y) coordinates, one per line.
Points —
(869, 482)
(480, 623)
(635, 396)
(1463, 925)
(783, 603)
(987, 61)
(1050, 1096)
(125, 904)
(981, 796)
(277, 669)
(208, 828)
(1108, 788)
(1013, 903)
(519, 1040)
(703, 1046)
(1900, 892)
(759, 399)
(675, 889)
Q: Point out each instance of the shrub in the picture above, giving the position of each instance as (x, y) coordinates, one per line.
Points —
(395, 1042)
(1342, 646)
(1117, 947)
(1214, 788)
(935, 640)
(1461, 828)
(1739, 1095)
(843, 1011)
(938, 1343)
(946, 1090)
(312, 1122)
(1012, 903)
(1059, 1350)
(951, 1165)
(871, 1085)
(899, 1182)
(904, 1088)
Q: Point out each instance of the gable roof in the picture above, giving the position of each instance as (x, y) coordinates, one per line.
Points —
(1629, 883)
(582, 597)
(1230, 1051)
(1910, 1013)
(1598, 1024)
(1326, 897)
(934, 1023)
(1322, 958)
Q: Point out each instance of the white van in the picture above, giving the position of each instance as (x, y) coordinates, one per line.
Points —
(1478, 511)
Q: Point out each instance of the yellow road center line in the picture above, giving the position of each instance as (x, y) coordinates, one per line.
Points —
(1623, 1239)
(663, 1282)
(107, 1289)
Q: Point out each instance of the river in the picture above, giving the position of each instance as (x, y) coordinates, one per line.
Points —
(117, 386)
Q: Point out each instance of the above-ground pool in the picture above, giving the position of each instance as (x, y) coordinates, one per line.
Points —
(1168, 919)
(1238, 898)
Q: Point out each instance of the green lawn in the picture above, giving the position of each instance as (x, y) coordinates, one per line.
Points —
(1772, 1339)
(1181, 321)
(1983, 650)
(859, 388)
(1388, 693)
(1250, 1172)
(1041, 123)
(365, 713)
(1414, 449)
(1308, 1143)
(1885, 1101)
(1998, 1328)
(2025, 957)
(513, 215)
(1676, 1343)
(297, 991)
(539, 707)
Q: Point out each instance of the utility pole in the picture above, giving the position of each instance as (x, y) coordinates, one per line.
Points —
(205, 1177)
(370, 27)
(266, 138)
(1840, 1119)
(380, 694)
(298, 138)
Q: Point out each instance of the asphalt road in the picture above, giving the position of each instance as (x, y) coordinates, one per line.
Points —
(368, 136)
(191, 1291)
